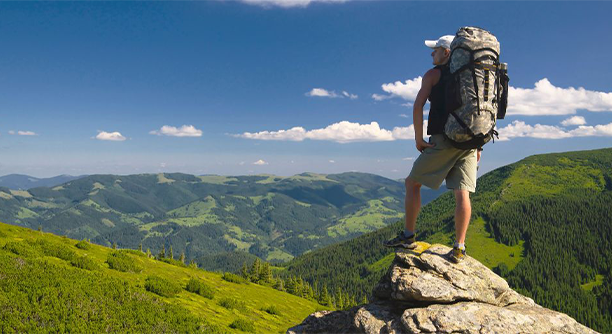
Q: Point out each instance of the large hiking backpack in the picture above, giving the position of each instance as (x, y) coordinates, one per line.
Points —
(477, 89)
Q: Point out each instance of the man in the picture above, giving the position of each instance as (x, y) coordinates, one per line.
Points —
(438, 160)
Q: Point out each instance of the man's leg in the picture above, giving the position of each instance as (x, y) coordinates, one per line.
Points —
(412, 203)
(463, 212)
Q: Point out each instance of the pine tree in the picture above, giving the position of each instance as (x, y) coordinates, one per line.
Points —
(162, 253)
(114, 245)
(254, 273)
(244, 272)
(324, 296)
(149, 253)
(265, 274)
(182, 258)
(193, 264)
(140, 247)
(339, 299)
(291, 286)
(279, 284)
(170, 253)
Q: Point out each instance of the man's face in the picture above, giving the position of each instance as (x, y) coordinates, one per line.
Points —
(440, 56)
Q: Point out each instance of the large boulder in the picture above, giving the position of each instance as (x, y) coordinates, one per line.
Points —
(424, 292)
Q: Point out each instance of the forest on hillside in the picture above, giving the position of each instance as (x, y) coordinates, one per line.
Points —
(557, 205)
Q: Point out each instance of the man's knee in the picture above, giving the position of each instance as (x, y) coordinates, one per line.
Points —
(412, 185)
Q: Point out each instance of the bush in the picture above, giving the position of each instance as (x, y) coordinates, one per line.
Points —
(122, 262)
(271, 309)
(162, 286)
(133, 252)
(233, 278)
(243, 325)
(55, 249)
(172, 261)
(232, 303)
(21, 248)
(83, 244)
(84, 262)
(200, 288)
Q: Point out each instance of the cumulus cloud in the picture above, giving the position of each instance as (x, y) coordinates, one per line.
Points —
(575, 120)
(521, 129)
(287, 3)
(11, 132)
(112, 136)
(321, 92)
(341, 132)
(260, 162)
(332, 161)
(543, 99)
(183, 131)
(547, 99)
(407, 90)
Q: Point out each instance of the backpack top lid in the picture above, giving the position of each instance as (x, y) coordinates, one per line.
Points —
(472, 38)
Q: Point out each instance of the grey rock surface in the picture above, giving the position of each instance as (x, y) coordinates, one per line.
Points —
(423, 292)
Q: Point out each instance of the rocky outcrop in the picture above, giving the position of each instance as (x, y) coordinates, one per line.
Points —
(423, 292)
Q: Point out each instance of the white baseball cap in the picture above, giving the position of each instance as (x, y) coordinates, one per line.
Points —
(443, 42)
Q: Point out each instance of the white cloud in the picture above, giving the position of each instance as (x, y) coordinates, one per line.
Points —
(575, 120)
(22, 133)
(183, 131)
(407, 90)
(112, 136)
(332, 161)
(341, 132)
(543, 99)
(321, 92)
(241, 163)
(349, 95)
(408, 159)
(260, 162)
(26, 133)
(546, 99)
(520, 129)
(403, 115)
(287, 3)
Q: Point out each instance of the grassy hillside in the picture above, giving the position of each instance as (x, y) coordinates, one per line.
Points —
(274, 218)
(544, 223)
(55, 284)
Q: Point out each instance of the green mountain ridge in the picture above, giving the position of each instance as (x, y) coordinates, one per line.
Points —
(272, 217)
(543, 223)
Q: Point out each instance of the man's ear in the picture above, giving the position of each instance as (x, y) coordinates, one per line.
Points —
(447, 52)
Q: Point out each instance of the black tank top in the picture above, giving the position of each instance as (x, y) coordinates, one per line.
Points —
(437, 112)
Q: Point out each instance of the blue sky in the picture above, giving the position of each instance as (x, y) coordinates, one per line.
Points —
(215, 87)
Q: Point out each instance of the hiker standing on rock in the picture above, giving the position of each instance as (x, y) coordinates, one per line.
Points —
(438, 159)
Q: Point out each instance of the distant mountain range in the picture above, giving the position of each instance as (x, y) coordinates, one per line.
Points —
(275, 218)
(25, 182)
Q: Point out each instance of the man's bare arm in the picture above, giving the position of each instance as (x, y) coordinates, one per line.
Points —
(430, 79)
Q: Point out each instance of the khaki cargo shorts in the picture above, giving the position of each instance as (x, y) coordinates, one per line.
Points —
(444, 161)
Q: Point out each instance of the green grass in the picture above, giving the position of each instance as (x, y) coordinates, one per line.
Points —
(599, 279)
(217, 179)
(365, 220)
(481, 246)
(255, 297)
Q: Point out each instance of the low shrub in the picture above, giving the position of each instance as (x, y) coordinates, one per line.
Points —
(21, 248)
(271, 309)
(200, 288)
(122, 262)
(83, 244)
(172, 261)
(55, 249)
(232, 303)
(133, 252)
(84, 262)
(243, 325)
(162, 286)
(233, 278)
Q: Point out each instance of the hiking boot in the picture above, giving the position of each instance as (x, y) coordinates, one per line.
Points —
(457, 254)
(401, 241)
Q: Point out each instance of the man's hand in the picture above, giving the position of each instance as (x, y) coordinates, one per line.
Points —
(478, 152)
(421, 145)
